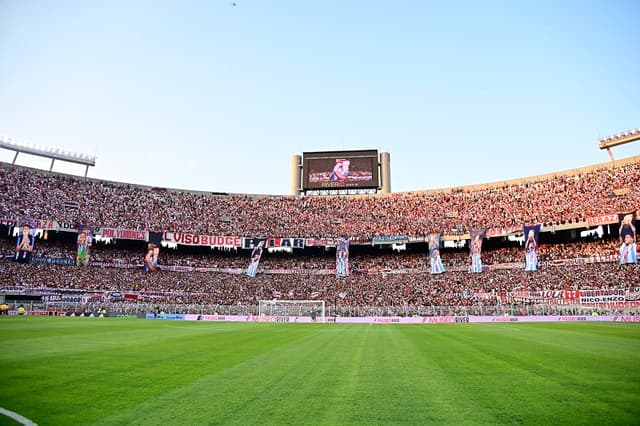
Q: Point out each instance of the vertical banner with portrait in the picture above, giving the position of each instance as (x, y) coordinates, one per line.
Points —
(153, 252)
(25, 242)
(434, 254)
(475, 251)
(628, 238)
(256, 254)
(342, 257)
(84, 241)
(531, 239)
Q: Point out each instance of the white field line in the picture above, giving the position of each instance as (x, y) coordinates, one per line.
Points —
(17, 417)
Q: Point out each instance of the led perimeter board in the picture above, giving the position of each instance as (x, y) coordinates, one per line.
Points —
(340, 169)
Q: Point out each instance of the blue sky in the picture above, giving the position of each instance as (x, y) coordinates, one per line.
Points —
(210, 96)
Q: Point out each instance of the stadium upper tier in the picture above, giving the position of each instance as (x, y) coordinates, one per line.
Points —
(556, 199)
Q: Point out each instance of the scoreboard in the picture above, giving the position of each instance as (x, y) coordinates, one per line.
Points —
(340, 169)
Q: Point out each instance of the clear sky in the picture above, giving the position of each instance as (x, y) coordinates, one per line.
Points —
(211, 96)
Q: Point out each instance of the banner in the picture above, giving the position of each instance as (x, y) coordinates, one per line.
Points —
(256, 254)
(124, 234)
(601, 299)
(504, 231)
(153, 252)
(627, 232)
(342, 257)
(359, 240)
(602, 220)
(66, 227)
(475, 251)
(48, 225)
(84, 241)
(318, 242)
(53, 261)
(201, 240)
(391, 239)
(531, 235)
(286, 242)
(572, 295)
(8, 220)
(253, 242)
(24, 244)
(434, 254)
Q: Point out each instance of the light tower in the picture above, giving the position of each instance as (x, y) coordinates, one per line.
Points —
(48, 152)
(621, 138)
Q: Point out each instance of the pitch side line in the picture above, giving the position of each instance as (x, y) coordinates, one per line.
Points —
(17, 417)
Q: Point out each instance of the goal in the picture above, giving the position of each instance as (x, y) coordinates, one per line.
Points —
(292, 308)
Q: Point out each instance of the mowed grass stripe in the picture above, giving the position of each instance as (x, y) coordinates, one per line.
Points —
(141, 361)
(374, 375)
(336, 375)
(164, 372)
(249, 392)
(517, 378)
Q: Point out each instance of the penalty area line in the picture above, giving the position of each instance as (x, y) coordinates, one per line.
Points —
(17, 417)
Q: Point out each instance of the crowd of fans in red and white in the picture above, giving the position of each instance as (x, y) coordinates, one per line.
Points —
(561, 199)
(408, 293)
(391, 289)
(552, 200)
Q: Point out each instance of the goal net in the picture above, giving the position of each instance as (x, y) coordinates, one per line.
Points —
(292, 308)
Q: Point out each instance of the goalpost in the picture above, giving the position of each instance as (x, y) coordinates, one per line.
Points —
(292, 308)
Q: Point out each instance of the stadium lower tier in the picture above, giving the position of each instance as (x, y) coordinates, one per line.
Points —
(573, 288)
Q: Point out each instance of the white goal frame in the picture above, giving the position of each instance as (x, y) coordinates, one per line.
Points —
(292, 308)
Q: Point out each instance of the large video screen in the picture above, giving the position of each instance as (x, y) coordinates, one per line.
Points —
(340, 169)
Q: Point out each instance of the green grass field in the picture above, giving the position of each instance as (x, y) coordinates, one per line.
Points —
(69, 371)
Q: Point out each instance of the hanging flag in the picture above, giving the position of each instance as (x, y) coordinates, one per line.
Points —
(475, 251)
(153, 251)
(531, 238)
(256, 254)
(342, 257)
(434, 254)
(628, 238)
(85, 238)
(25, 243)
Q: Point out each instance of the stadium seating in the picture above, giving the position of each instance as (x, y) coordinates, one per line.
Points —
(383, 281)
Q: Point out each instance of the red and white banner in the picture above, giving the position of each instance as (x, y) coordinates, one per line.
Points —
(48, 225)
(501, 232)
(123, 234)
(572, 295)
(201, 240)
(604, 219)
(590, 297)
(323, 242)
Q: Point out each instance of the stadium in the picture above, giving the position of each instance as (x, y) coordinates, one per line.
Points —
(81, 247)
(323, 213)
(203, 244)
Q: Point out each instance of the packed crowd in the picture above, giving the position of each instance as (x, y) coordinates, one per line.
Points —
(415, 292)
(559, 199)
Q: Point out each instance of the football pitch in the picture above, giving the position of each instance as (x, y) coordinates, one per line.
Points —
(107, 371)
